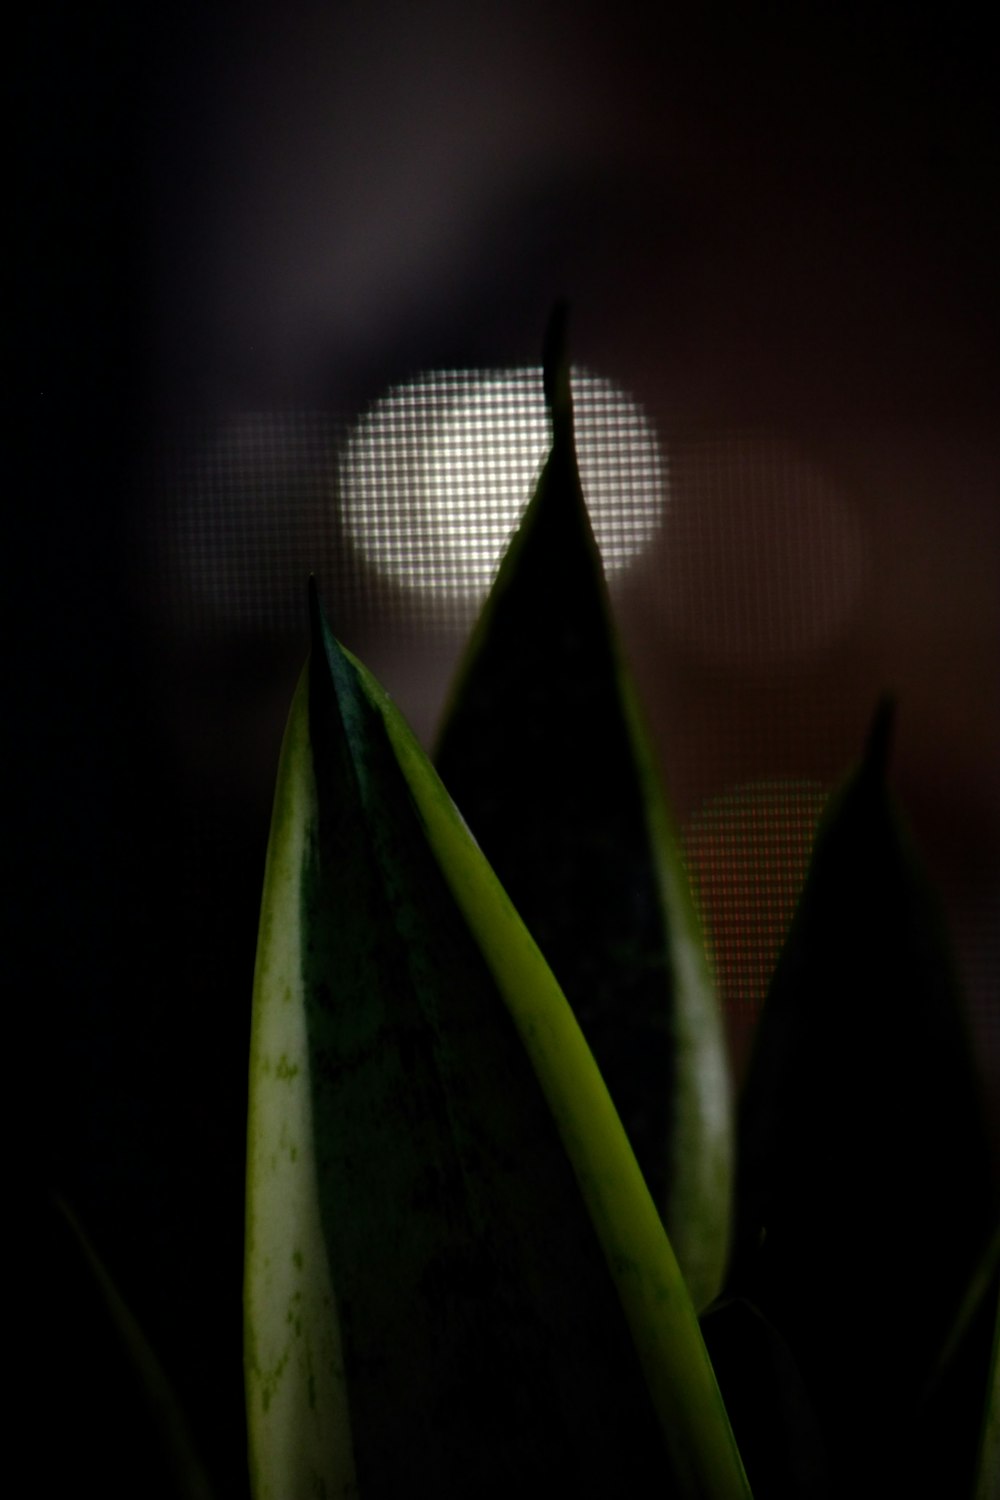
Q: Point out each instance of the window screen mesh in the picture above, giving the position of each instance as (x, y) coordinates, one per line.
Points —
(417, 496)
(747, 570)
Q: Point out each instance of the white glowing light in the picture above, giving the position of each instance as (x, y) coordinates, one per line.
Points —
(435, 476)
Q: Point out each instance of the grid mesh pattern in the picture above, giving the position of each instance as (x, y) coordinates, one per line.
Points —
(241, 517)
(435, 475)
(748, 851)
(758, 561)
(417, 498)
(771, 559)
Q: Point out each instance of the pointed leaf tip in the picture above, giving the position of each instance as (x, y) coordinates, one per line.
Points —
(878, 745)
(323, 642)
(555, 365)
(544, 750)
(315, 609)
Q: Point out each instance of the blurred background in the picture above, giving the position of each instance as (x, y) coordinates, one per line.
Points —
(248, 244)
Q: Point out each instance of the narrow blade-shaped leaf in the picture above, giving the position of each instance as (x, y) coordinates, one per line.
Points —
(544, 751)
(865, 1193)
(137, 1438)
(299, 1433)
(456, 1280)
(779, 1436)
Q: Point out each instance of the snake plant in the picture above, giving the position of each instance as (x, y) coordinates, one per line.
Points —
(502, 1226)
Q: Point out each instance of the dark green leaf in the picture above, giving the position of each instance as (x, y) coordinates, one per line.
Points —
(456, 1279)
(773, 1420)
(544, 752)
(865, 1192)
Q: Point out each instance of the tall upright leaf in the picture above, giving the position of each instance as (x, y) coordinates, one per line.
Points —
(456, 1279)
(543, 750)
(865, 1194)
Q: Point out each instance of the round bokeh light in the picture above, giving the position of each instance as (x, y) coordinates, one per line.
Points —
(435, 475)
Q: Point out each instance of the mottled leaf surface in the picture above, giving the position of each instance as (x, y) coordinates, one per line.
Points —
(456, 1278)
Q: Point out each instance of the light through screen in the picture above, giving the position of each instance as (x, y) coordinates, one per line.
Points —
(748, 850)
(435, 475)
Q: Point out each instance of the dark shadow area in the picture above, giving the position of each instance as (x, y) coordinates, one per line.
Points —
(763, 228)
